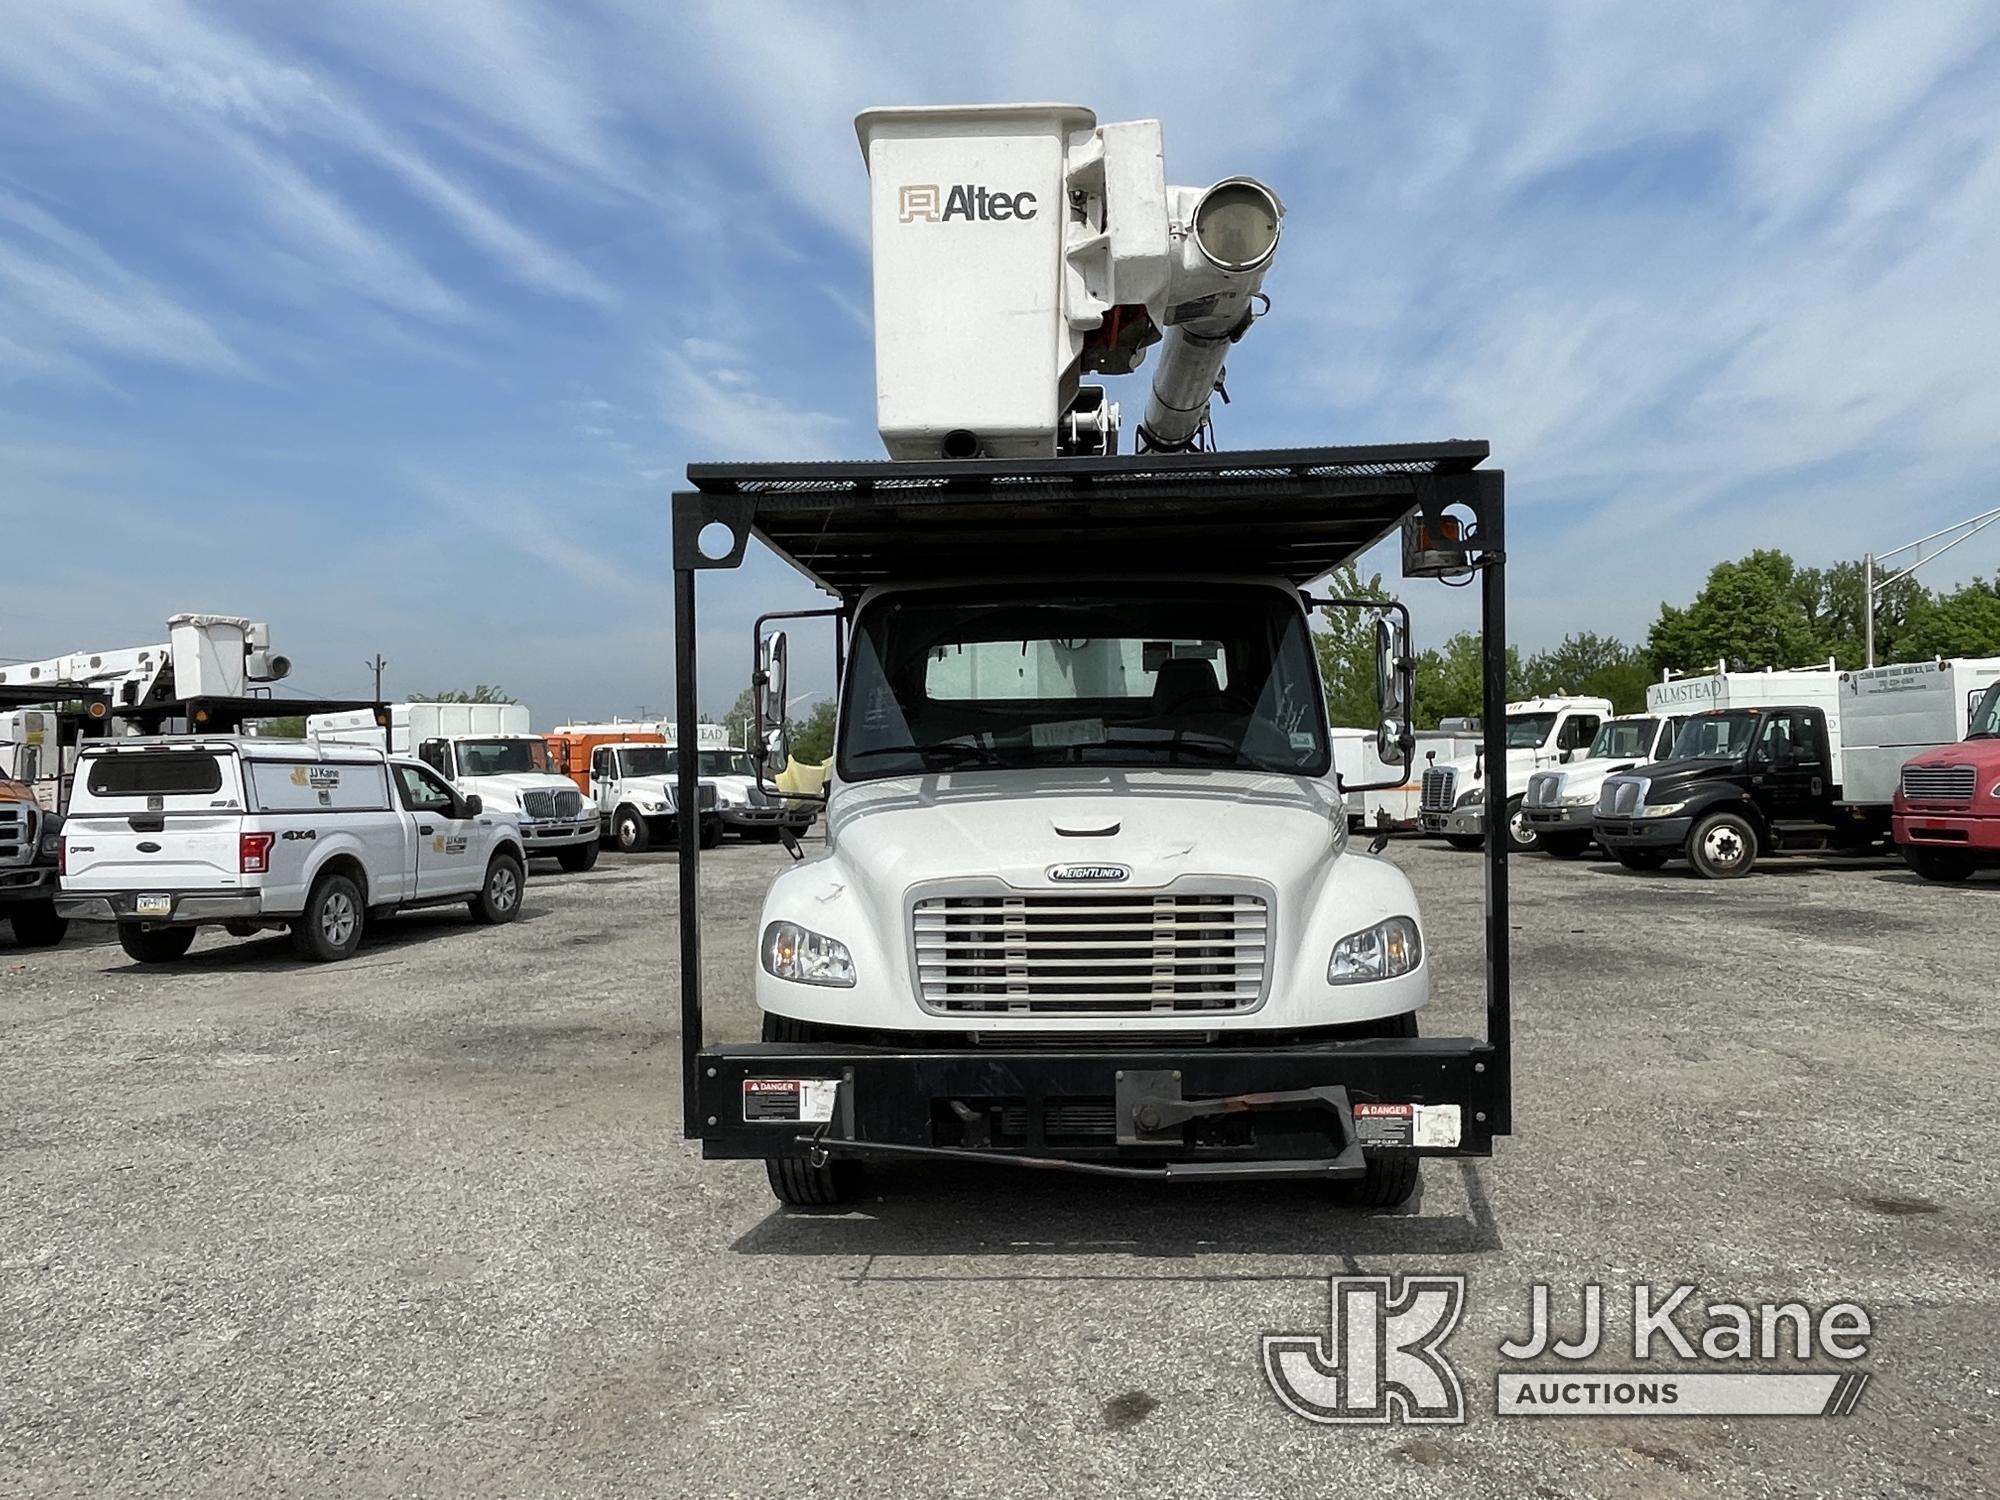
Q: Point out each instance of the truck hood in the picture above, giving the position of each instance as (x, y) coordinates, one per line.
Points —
(1159, 825)
(1521, 764)
(513, 783)
(1589, 775)
(1981, 754)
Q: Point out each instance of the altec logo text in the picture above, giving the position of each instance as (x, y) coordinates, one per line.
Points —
(929, 202)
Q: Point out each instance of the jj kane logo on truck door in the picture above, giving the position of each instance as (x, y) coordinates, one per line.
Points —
(933, 204)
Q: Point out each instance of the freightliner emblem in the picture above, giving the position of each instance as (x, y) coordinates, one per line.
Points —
(1089, 872)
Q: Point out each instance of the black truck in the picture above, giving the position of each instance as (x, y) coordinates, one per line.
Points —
(1741, 783)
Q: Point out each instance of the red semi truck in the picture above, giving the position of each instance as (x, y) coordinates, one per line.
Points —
(1947, 809)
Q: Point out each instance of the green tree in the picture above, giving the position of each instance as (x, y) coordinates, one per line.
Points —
(737, 720)
(812, 741)
(284, 727)
(1451, 681)
(1345, 641)
(483, 693)
(1755, 612)
(1835, 609)
(1590, 665)
(1963, 623)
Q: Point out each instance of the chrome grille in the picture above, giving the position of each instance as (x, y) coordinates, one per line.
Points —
(17, 834)
(552, 804)
(1440, 782)
(1939, 784)
(1621, 796)
(1544, 789)
(1063, 953)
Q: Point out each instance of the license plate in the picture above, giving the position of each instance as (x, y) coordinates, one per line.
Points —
(153, 904)
(789, 1098)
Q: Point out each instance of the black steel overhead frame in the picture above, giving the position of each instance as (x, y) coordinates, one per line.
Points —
(1290, 513)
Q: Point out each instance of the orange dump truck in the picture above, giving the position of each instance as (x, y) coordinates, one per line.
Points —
(570, 746)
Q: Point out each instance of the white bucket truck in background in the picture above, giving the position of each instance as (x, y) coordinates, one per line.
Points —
(1540, 732)
(1889, 715)
(488, 749)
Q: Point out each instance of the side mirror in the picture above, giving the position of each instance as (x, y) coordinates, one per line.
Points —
(1394, 671)
(768, 696)
(474, 806)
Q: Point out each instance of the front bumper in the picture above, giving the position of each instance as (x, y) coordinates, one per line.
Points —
(1309, 1110)
(33, 883)
(765, 817)
(557, 835)
(1562, 818)
(188, 907)
(1642, 833)
(1968, 832)
(1467, 822)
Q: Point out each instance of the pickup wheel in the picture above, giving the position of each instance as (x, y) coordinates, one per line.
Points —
(629, 831)
(1391, 1177)
(155, 945)
(795, 1181)
(1640, 859)
(329, 929)
(37, 924)
(1565, 845)
(577, 857)
(1722, 846)
(1946, 866)
(499, 898)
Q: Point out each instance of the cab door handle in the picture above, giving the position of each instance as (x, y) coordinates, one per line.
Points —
(425, 828)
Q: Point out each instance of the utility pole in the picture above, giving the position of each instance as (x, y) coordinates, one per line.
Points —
(376, 667)
(1970, 527)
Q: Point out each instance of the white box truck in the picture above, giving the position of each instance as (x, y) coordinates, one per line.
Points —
(1889, 715)
(488, 749)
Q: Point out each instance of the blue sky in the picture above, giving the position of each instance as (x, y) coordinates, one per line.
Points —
(394, 323)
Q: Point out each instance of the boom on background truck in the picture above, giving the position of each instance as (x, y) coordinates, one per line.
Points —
(1087, 899)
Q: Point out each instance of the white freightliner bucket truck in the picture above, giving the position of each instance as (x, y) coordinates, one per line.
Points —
(487, 750)
(1087, 898)
(1540, 732)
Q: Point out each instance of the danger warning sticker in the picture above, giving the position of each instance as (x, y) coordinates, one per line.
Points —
(1418, 1125)
(789, 1098)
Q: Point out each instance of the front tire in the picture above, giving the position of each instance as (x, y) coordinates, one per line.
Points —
(37, 924)
(329, 929)
(154, 945)
(711, 833)
(630, 832)
(1722, 846)
(795, 1181)
(1521, 835)
(1391, 1177)
(578, 857)
(1946, 866)
(499, 898)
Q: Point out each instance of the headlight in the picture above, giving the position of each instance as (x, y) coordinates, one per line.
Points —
(653, 807)
(51, 841)
(1474, 798)
(792, 952)
(1578, 799)
(1663, 810)
(1379, 952)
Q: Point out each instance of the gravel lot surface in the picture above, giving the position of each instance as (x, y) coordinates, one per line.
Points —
(424, 1223)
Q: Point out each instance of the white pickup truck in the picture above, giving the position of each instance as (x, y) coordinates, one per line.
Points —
(1560, 804)
(1541, 732)
(165, 836)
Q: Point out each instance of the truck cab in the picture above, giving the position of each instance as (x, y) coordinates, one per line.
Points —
(632, 789)
(1740, 783)
(30, 836)
(1946, 814)
(1560, 804)
(745, 801)
(1540, 732)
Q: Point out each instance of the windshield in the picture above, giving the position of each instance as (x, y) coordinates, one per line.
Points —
(1986, 717)
(726, 763)
(1715, 737)
(646, 760)
(1099, 675)
(1529, 731)
(1626, 739)
(501, 757)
